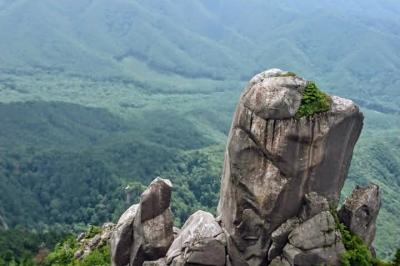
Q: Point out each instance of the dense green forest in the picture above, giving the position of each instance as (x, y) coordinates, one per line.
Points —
(97, 96)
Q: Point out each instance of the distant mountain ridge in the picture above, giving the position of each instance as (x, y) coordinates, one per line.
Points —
(99, 83)
(345, 41)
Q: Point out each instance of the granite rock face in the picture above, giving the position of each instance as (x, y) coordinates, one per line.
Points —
(273, 160)
(280, 188)
(122, 237)
(200, 242)
(145, 231)
(360, 211)
(153, 226)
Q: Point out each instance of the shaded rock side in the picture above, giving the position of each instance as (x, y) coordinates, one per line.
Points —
(122, 237)
(360, 210)
(273, 160)
(153, 224)
(312, 242)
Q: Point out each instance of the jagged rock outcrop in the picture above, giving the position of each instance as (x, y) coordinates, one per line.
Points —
(201, 242)
(89, 243)
(360, 211)
(145, 231)
(280, 188)
(153, 225)
(122, 237)
(274, 159)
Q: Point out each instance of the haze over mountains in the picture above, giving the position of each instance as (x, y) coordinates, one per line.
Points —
(159, 69)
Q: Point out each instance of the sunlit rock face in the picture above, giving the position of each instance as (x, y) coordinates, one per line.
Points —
(273, 160)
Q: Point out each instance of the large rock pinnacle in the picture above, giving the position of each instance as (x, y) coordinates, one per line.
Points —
(274, 159)
(281, 182)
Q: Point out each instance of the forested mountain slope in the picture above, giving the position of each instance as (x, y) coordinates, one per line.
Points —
(98, 95)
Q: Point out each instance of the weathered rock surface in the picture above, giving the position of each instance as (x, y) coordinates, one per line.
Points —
(281, 182)
(313, 204)
(273, 160)
(201, 242)
(160, 262)
(153, 225)
(360, 211)
(122, 237)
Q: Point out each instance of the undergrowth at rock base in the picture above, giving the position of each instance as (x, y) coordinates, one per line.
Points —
(64, 253)
(357, 253)
(314, 101)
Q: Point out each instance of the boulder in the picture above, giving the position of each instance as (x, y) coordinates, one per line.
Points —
(153, 225)
(273, 94)
(360, 211)
(280, 237)
(201, 241)
(160, 262)
(314, 242)
(279, 261)
(313, 204)
(122, 237)
(273, 160)
(319, 231)
(329, 255)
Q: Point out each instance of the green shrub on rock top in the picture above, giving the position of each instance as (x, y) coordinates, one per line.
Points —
(314, 101)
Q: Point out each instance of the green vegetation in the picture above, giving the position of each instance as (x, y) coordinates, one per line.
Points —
(314, 101)
(99, 96)
(289, 74)
(357, 253)
(396, 260)
(64, 253)
(24, 247)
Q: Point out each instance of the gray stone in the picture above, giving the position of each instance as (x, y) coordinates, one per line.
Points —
(201, 241)
(329, 255)
(272, 95)
(313, 204)
(279, 261)
(273, 160)
(280, 237)
(160, 262)
(155, 199)
(122, 237)
(360, 211)
(153, 224)
(317, 232)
